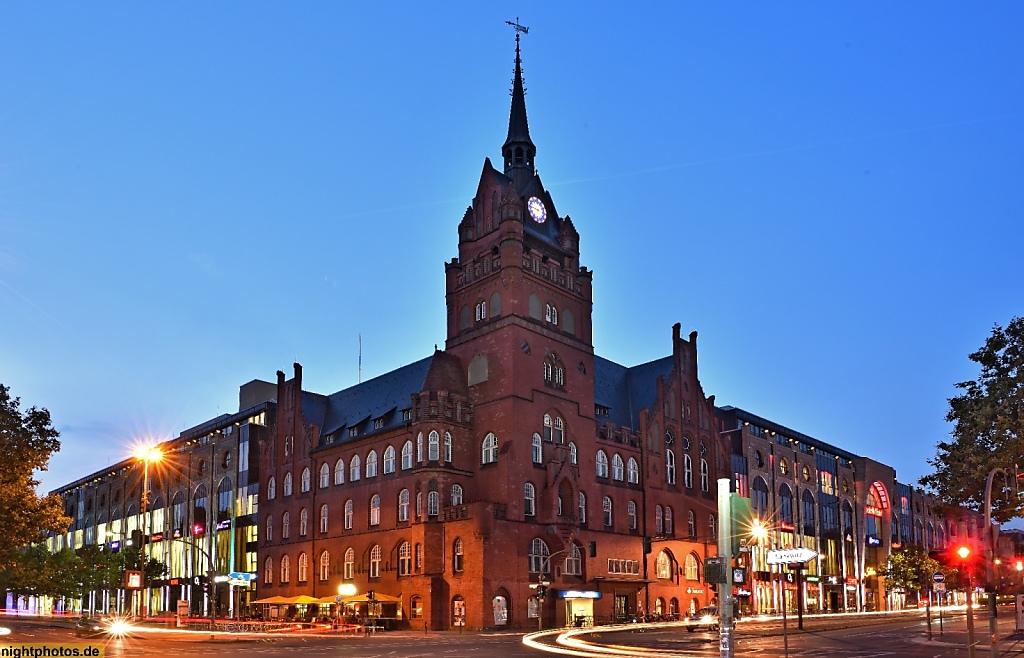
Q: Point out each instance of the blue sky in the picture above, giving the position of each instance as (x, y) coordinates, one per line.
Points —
(194, 196)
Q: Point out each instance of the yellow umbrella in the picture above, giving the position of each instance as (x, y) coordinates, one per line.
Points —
(278, 600)
(378, 597)
(302, 599)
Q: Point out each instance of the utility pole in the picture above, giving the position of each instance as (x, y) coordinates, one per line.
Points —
(725, 598)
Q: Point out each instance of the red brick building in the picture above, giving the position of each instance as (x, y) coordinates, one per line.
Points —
(456, 482)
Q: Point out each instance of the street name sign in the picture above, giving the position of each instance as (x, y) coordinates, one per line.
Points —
(790, 555)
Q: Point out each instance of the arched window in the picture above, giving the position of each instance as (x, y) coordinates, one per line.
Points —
(602, 464)
(691, 568)
(286, 569)
(663, 566)
(617, 467)
(270, 529)
(271, 488)
(433, 503)
(606, 507)
(268, 571)
(808, 513)
(489, 451)
(419, 448)
(551, 313)
(538, 449)
(583, 508)
(325, 566)
(712, 526)
(631, 512)
(670, 466)
(403, 505)
(448, 447)
(669, 525)
(304, 481)
(375, 509)
(691, 524)
(434, 446)
(323, 519)
(349, 513)
(547, 427)
(539, 554)
(375, 553)
(389, 460)
(325, 476)
(573, 561)
(354, 468)
(339, 472)
(349, 565)
(687, 472)
(633, 471)
(573, 458)
(404, 559)
(371, 464)
(303, 568)
(286, 522)
(559, 430)
(759, 498)
(287, 487)
(457, 551)
(529, 500)
(786, 504)
(303, 522)
(659, 520)
(456, 494)
(704, 482)
(407, 456)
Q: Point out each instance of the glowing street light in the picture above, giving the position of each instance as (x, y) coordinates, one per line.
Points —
(147, 455)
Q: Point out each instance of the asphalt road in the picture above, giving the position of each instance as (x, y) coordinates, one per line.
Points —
(903, 636)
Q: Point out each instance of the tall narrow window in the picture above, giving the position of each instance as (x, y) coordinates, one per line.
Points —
(669, 527)
(339, 472)
(539, 557)
(268, 571)
(323, 519)
(670, 466)
(583, 508)
(602, 464)
(529, 500)
(456, 494)
(433, 503)
(659, 520)
(371, 464)
(305, 480)
(457, 550)
(349, 514)
(606, 506)
(286, 522)
(375, 510)
(389, 460)
(573, 457)
(633, 471)
(617, 467)
(375, 554)
(704, 483)
(538, 449)
(303, 522)
(349, 568)
(434, 447)
(325, 566)
(287, 488)
(559, 428)
(403, 505)
(270, 529)
(691, 524)
(419, 448)
(404, 559)
(547, 427)
(325, 476)
(687, 472)
(286, 569)
(489, 451)
(271, 488)
(631, 511)
(354, 468)
(448, 447)
(407, 455)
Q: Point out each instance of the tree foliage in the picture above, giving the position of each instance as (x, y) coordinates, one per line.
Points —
(909, 569)
(988, 428)
(27, 439)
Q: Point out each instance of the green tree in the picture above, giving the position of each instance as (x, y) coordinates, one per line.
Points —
(988, 428)
(909, 569)
(27, 439)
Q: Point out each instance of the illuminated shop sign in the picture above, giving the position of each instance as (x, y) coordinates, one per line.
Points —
(874, 541)
(578, 594)
(694, 590)
(872, 510)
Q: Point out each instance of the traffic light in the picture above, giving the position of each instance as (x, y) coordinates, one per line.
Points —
(963, 552)
(542, 592)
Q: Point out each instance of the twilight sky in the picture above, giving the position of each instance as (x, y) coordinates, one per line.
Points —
(193, 196)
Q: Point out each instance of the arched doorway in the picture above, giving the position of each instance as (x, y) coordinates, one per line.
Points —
(501, 607)
(458, 611)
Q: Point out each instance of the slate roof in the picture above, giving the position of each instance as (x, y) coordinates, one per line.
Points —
(626, 391)
(384, 395)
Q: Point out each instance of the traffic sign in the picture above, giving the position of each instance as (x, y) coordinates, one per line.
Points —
(790, 556)
(939, 587)
(241, 575)
(938, 577)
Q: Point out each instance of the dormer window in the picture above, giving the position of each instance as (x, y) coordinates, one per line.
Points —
(353, 431)
(378, 423)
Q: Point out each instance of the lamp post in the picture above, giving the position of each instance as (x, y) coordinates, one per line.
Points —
(146, 455)
(542, 584)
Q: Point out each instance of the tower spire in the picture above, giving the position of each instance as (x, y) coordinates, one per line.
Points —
(518, 150)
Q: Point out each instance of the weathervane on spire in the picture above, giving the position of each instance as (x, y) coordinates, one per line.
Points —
(518, 28)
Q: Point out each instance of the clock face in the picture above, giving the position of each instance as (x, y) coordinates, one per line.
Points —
(537, 210)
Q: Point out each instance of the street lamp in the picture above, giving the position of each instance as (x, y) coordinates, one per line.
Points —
(146, 455)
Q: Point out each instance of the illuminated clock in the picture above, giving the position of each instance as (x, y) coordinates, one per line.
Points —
(537, 210)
